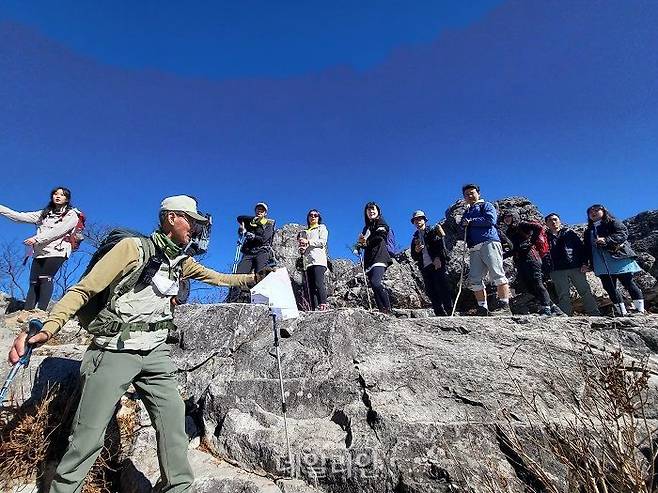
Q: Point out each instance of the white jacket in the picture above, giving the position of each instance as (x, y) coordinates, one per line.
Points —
(50, 231)
(316, 252)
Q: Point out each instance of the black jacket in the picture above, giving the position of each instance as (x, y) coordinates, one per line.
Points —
(567, 250)
(263, 234)
(616, 239)
(523, 237)
(434, 243)
(375, 250)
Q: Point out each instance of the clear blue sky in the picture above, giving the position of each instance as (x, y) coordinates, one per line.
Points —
(326, 105)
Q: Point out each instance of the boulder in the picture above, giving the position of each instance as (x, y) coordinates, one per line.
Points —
(375, 403)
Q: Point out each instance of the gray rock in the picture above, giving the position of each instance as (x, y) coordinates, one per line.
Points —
(377, 403)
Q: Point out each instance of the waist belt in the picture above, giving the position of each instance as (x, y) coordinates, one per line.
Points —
(125, 328)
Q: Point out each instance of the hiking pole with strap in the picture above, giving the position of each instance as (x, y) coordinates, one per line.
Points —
(461, 275)
(34, 328)
(283, 394)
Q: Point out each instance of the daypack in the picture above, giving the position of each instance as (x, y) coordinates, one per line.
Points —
(392, 244)
(541, 242)
(76, 236)
(106, 298)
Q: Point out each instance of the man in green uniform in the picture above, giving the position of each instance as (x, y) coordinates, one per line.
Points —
(129, 343)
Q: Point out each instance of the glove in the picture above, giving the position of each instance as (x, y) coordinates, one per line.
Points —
(249, 235)
(262, 274)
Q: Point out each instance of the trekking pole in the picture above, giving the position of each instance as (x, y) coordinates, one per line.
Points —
(365, 278)
(461, 275)
(307, 291)
(236, 257)
(34, 327)
(283, 394)
(607, 269)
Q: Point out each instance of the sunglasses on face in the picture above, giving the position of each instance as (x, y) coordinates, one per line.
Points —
(313, 214)
(191, 221)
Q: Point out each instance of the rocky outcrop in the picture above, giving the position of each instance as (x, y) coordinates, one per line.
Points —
(375, 403)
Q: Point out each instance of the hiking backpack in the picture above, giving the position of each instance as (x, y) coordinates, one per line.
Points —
(76, 236)
(541, 242)
(90, 310)
(392, 244)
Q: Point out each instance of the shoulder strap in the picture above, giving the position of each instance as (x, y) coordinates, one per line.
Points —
(130, 281)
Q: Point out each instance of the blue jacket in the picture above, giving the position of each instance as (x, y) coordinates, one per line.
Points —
(482, 225)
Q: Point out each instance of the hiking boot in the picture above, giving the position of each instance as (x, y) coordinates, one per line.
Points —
(482, 311)
(545, 311)
(557, 311)
(323, 307)
(502, 310)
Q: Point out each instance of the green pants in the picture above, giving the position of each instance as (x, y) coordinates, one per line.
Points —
(105, 377)
(562, 280)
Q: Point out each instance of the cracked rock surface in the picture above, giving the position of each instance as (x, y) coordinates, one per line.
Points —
(376, 403)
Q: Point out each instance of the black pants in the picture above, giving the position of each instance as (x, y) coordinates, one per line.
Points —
(375, 275)
(41, 281)
(531, 275)
(610, 286)
(249, 263)
(317, 291)
(437, 289)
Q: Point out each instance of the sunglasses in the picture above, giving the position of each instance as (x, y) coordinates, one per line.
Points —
(191, 221)
(313, 214)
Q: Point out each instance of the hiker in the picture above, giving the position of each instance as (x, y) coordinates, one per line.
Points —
(428, 249)
(485, 251)
(610, 256)
(50, 247)
(565, 263)
(313, 247)
(376, 258)
(257, 232)
(129, 342)
(524, 236)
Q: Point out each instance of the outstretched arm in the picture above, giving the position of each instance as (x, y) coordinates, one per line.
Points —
(20, 217)
(194, 270)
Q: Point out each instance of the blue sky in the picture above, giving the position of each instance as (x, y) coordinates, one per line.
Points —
(326, 105)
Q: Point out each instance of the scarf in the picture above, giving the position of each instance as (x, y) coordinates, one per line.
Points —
(255, 221)
(164, 243)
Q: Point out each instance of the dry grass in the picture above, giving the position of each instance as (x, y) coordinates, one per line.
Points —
(34, 435)
(604, 443)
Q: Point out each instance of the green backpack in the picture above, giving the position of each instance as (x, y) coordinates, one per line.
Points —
(100, 307)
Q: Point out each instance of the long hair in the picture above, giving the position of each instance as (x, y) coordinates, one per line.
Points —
(52, 206)
(607, 215)
(366, 221)
(308, 221)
